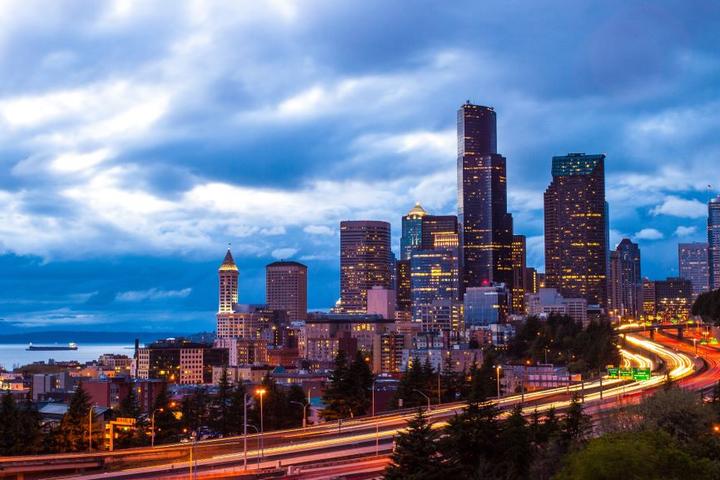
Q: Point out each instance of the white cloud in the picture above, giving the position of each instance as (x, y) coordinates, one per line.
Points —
(648, 234)
(151, 294)
(74, 162)
(319, 230)
(680, 207)
(683, 231)
(284, 253)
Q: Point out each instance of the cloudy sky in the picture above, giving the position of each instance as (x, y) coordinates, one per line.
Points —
(138, 138)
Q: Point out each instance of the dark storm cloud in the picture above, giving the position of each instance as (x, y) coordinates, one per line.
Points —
(137, 138)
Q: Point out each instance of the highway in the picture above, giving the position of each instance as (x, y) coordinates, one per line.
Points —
(369, 436)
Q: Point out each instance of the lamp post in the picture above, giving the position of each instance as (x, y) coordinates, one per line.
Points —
(152, 425)
(257, 432)
(373, 397)
(497, 376)
(261, 392)
(695, 345)
(426, 397)
(304, 407)
(245, 425)
(90, 411)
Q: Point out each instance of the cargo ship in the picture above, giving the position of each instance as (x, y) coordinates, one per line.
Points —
(51, 348)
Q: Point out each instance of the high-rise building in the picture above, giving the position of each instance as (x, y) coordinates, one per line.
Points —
(576, 253)
(365, 262)
(411, 238)
(693, 264)
(434, 278)
(381, 301)
(673, 299)
(485, 225)
(519, 260)
(714, 242)
(531, 280)
(625, 281)
(228, 276)
(437, 225)
(404, 302)
(485, 305)
(286, 288)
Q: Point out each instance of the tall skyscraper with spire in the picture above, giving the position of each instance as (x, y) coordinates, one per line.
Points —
(714, 242)
(228, 287)
(576, 252)
(485, 225)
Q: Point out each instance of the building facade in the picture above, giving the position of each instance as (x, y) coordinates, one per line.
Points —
(485, 225)
(576, 228)
(365, 262)
(714, 242)
(548, 301)
(519, 261)
(228, 277)
(485, 305)
(411, 238)
(625, 281)
(179, 361)
(693, 264)
(286, 288)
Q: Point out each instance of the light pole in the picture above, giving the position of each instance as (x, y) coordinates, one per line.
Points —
(258, 433)
(245, 425)
(152, 425)
(497, 376)
(373, 397)
(261, 392)
(426, 397)
(695, 345)
(304, 407)
(90, 411)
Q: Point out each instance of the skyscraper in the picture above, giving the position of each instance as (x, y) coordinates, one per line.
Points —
(411, 238)
(485, 226)
(365, 262)
(402, 287)
(519, 256)
(228, 291)
(693, 265)
(286, 288)
(575, 228)
(714, 242)
(434, 225)
(625, 281)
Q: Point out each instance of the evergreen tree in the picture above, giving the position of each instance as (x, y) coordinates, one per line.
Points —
(9, 426)
(221, 406)
(235, 420)
(471, 446)
(414, 378)
(167, 426)
(359, 385)
(129, 408)
(450, 381)
(335, 397)
(516, 444)
(30, 436)
(195, 410)
(576, 427)
(415, 456)
(74, 426)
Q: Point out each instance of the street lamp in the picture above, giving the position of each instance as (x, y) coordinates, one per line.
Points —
(695, 345)
(497, 376)
(426, 397)
(152, 425)
(373, 397)
(257, 432)
(261, 392)
(304, 407)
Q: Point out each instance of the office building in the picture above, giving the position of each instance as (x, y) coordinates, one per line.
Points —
(179, 361)
(485, 225)
(381, 301)
(531, 280)
(403, 302)
(434, 276)
(693, 265)
(625, 281)
(411, 238)
(388, 352)
(714, 242)
(576, 253)
(365, 262)
(228, 291)
(519, 261)
(485, 305)
(548, 301)
(672, 300)
(286, 288)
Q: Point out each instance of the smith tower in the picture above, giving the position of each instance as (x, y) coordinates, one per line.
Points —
(228, 276)
(485, 225)
(576, 253)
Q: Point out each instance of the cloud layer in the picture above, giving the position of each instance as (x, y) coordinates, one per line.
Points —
(135, 130)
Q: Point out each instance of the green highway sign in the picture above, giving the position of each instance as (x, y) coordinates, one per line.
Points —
(613, 372)
(640, 374)
(625, 373)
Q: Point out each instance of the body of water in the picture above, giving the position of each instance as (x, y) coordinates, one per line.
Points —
(12, 355)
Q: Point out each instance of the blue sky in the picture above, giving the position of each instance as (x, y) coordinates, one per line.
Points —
(138, 138)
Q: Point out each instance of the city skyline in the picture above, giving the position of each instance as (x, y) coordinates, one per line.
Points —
(116, 213)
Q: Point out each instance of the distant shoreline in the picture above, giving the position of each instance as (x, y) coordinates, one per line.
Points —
(60, 337)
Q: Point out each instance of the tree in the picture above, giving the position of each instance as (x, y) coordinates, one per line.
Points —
(221, 404)
(471, 444)
(576, 427)
(235, 419)
(129, 408)
(72, 435)
(639, 455)
(415, 456)
(413, 379)
(677, 412)
(516, 446)
(19, 428)
(167, 426)
(335, 397)
(707, 306)
(359, 384)
(195, 411)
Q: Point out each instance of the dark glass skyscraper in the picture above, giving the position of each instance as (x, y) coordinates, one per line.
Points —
(519, 259)
(625, 281)
(485, 226)
(411, 238)
(576, 253)
(365, 262)
(693, 265)
(714, 242)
